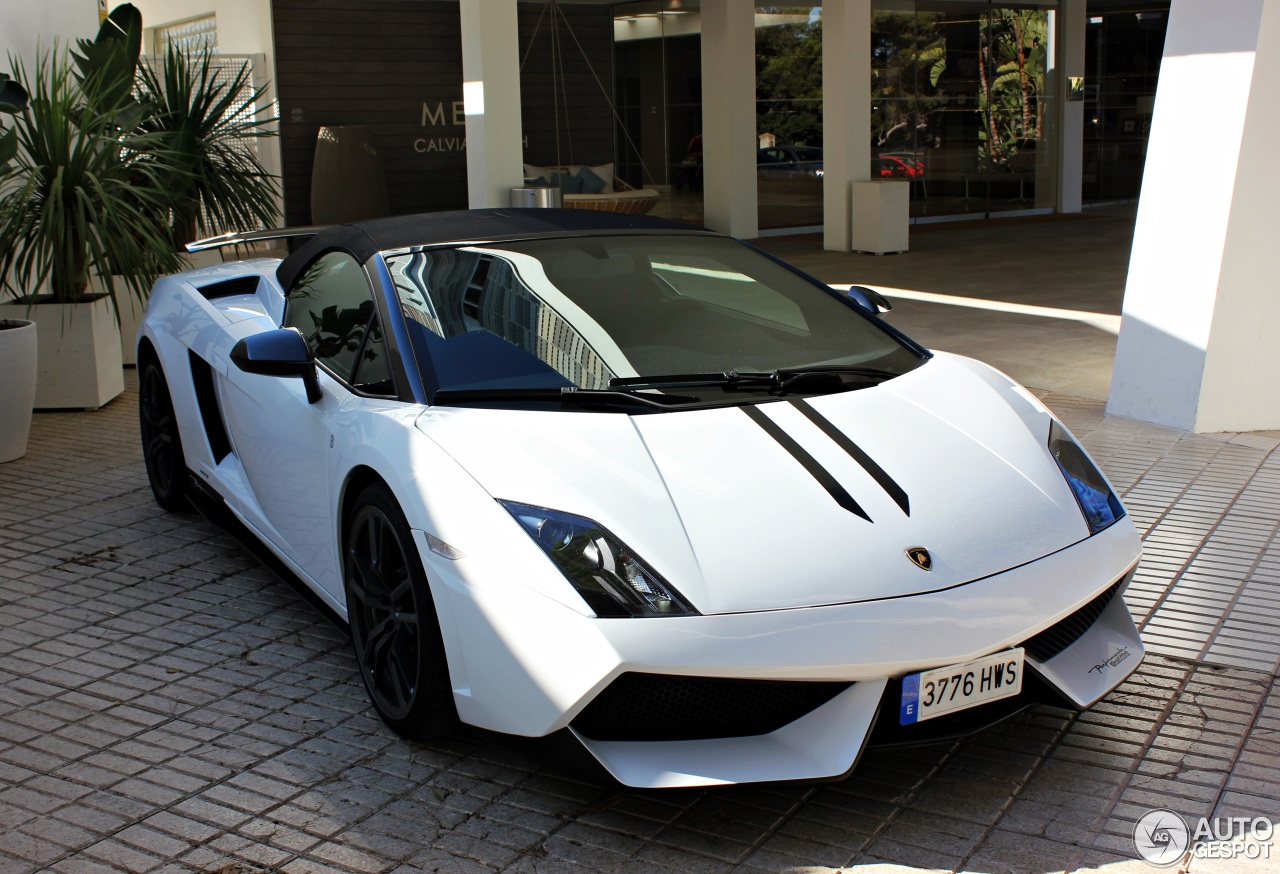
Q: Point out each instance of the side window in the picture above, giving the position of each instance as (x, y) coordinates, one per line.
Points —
(373, 371)
(332, 305)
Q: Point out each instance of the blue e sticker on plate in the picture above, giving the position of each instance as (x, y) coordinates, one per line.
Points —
(910, 700)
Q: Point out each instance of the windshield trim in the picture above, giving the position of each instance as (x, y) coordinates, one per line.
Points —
(559, 235)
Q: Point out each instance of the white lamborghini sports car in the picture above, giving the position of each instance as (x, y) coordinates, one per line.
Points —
(640, 486)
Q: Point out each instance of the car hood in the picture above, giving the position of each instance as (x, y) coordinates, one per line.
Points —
(776, 506)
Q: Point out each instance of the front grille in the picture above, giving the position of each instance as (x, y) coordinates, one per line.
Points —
(657, 707)
(1056, 638)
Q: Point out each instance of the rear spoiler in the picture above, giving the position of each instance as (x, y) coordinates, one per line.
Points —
(240, 238)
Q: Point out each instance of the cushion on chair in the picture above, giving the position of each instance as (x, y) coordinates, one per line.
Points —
(604, 171)
(566, 182)
(590, 181)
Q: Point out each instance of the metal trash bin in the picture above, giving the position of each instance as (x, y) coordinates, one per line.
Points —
(534, 197)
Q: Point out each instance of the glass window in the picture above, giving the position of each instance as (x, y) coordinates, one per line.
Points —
(373, 369)
(715, 284)
(789, 115)
(584, 311)
(332, 305)
(962, 103)
(1124, 44)
(193, 34)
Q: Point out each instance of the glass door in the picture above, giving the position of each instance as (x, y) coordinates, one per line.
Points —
(962, 104)
(789, 168)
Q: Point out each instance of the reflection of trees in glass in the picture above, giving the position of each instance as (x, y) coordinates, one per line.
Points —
(1012, 73)
(338, 331)
(908, 58)
(789, 78)
(335, 332)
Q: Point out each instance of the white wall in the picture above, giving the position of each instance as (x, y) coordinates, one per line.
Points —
(244, 26)
(1197, 348)
(23, 26)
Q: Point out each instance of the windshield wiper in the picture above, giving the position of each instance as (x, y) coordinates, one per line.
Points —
(874, 373)
(818, 378)
(566, 396)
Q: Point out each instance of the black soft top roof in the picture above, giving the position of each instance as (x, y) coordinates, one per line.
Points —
(363, 239)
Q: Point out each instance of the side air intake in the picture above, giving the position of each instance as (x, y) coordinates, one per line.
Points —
(210, 415)
(230, 287)
(1056, 638)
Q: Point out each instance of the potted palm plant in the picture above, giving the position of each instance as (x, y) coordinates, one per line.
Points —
(17, 336)
(209, 122)
(205, 123)
(81, 198)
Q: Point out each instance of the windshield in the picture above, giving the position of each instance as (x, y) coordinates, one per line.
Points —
(592, 313)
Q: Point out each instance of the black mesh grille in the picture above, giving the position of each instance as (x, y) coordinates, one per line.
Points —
(656, 707)
(1056, 638)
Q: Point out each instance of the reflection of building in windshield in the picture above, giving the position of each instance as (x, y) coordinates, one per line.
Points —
(408, 272)
(454, 292)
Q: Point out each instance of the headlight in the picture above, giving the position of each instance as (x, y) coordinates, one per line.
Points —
(609, 576)
(1097, 502)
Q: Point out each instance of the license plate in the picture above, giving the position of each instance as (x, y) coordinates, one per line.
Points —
(959, 687)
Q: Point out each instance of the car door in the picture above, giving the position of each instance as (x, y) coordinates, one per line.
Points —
(283, 440)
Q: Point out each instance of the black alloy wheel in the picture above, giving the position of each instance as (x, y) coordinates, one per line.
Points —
(394, 627)
(161, 442)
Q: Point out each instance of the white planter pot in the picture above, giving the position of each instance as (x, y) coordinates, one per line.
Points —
(131, 312)
(79, 365)
(18, 342)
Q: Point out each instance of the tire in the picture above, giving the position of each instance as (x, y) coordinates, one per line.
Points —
(394, 627)
(161, 441)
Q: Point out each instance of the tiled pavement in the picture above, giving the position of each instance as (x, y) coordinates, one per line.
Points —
(168, 705)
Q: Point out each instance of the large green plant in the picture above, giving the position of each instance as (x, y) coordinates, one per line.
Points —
(80, 197)
(107, 66)
(209, 123)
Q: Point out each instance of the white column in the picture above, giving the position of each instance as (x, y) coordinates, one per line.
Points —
(1068, 45)
(1197, 346)
(846, 113)
(729, 117)
(491, 98)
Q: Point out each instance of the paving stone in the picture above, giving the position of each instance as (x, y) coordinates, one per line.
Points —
(166, 705)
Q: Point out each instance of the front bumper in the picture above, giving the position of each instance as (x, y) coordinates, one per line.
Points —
(523, 664)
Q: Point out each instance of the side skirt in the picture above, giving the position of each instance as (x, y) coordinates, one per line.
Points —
(209, 504)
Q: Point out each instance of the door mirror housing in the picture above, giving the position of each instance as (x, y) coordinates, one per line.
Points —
(869, 299)
(282, 352)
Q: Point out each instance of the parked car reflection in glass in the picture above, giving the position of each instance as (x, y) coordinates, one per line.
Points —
(903, 165)
(788, 162)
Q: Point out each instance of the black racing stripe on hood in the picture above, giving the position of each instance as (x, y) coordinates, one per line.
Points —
(842, 440)
(816, 470)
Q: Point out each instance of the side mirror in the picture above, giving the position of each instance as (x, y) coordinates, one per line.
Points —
(869, 299)
(282, 352)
